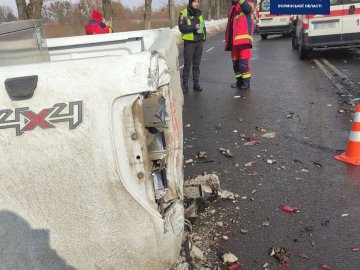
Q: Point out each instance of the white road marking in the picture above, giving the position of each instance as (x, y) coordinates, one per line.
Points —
(209, 50)
(342, 76)
(329, 75)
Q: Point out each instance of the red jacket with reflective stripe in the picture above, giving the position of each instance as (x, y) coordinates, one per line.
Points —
(240, 27)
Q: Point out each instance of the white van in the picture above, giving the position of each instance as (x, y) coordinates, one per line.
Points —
(341, 28)
(269, 24)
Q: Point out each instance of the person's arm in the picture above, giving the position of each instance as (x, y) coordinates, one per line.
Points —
(183, 26)
(246, 6)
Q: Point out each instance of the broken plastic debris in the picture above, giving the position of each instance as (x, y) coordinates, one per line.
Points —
(354, 249)
(226, 152)
(266, 223)
(249, 164)
(269, 135)
(229, 258)
(251, 143)
(271, 161)
(325, 267)
(224, 194)
(202, 154)
(303, 255)
(344, 215)
(243, 231)
(235, 266)
(188, 125)
(289, 209)
(210, 183)
(235, 131)
(189, 161)
(196, 253)
(282, 255)
(304, 170)
(261, 129)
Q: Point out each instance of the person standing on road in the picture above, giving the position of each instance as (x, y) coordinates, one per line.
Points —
(239, 40)
(193, 32)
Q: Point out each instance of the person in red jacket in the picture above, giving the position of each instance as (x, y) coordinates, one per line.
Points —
(97, 25)
(239, 40)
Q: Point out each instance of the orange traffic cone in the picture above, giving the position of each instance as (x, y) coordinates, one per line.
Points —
(352, 154)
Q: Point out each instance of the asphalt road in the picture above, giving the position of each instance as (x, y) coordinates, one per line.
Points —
(300, 103)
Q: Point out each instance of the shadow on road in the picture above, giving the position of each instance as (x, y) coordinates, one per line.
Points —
(24, 248)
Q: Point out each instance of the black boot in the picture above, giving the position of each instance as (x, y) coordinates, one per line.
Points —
(238, 84)
(197, 87)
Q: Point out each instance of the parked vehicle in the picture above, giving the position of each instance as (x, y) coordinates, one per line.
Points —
(269, 24)
(91, 149)
(341, 28)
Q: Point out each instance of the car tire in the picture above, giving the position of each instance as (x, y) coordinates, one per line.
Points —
(303, 52)
(264, 36)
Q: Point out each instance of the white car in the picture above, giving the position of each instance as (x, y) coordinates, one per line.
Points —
(341, 28)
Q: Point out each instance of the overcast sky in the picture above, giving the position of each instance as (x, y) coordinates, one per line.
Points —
(129, 3)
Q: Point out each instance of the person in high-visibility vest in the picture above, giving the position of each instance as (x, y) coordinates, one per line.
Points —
(239, 40)
(97, 25)
(193, 32)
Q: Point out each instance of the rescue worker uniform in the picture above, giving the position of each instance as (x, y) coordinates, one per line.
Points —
(239, 40)
(193, 43)
(96, 25)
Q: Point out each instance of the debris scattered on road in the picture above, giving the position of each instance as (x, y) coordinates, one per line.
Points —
(243, 231)
(220, 224)
(271, 161)
(329, 105)
(254, 191)
(236, 97)
(305, 170)
(344, 215)
(188, 125)
(196, 253)
(240, 120)
(218, 126)
(265, 266)
(224, 194)
(355, 249)
(210, 183)
(249, 164)
(235, 131)
(304, 256)
(202, 154)
(317, 164)
(235, 266)
(229, 258)
(225, 237)
(269, 135)
(226, 152)
(282, 255)
(251, 143)
(341, 111)
(243, 197)
(189, 161)
(289, 209)
(261, 129)
(290, 115)
(266, 223)
(325, 267)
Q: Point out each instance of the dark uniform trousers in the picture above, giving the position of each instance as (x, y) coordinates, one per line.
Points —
(192, 57)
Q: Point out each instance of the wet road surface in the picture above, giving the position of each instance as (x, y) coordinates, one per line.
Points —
(297, 101)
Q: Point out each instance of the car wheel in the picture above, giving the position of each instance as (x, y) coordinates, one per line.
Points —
(264, 36)
(303, 52)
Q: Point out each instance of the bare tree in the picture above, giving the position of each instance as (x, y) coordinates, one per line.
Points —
(32, 10)
(147, 14)
(107, 10)
(172, 15)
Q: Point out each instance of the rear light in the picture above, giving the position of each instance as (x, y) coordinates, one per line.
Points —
(305, 22)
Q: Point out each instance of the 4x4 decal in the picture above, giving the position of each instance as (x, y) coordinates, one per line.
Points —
(23, 119)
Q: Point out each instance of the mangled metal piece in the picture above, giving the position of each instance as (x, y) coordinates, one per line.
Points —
(160, 183)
